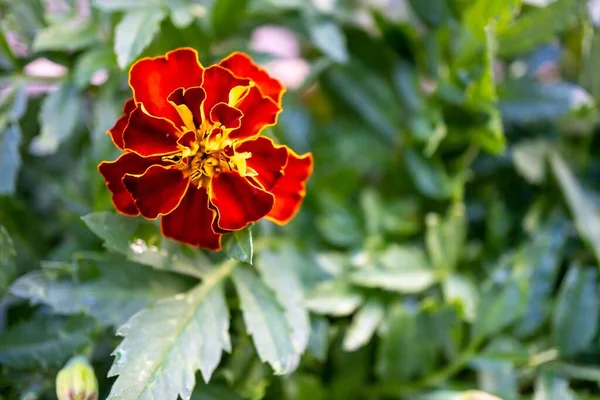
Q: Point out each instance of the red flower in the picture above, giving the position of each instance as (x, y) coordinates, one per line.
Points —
(192, 150)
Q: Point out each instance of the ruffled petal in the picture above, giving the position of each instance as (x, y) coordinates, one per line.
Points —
(113, 173)
(154, 79)
(291, 188)
(116, 132)
(267, 159)
(192, 221)
(259, 112)
(192, 98)
(243, 67)
(157, 191)
(237, 201)
(218, 83)
(226, 115)
(150, 136)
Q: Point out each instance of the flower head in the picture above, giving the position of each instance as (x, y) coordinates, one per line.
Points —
(192, 150)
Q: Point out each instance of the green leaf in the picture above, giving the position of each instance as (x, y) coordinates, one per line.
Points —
(404, 350)
(144, 244)
(122, 289)
(227, 16)
(432, 12)
(328, 37)
(536, 27)
(529, 157)
(7, 260)
(463, 289)
(333, 298)
(135, 32)
(543, 257)
(238, 245)
(70, 36)
(552, 387)
(402, 269)
(10, 158)
(585, 211)
(181, 11)
(481, 95)
(318, 342)
(575, 319)
(126, 5)
(428, 176)
(44, 341)
(213, 391)
(445, 238)
(266, 322)
(58, 118)
(90, 62)
(364, 324)
(501, 303)
(280, 273)
(166, 344)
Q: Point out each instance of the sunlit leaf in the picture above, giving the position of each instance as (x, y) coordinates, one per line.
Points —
(266, 322)
(166, 344)
(135, 32)
(364, 324)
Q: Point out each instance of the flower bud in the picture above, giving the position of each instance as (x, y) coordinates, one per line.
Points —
(77, 381)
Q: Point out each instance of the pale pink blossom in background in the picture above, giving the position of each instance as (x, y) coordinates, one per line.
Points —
(44, 68)
(276, 41)
(284, 46)
(99, 77)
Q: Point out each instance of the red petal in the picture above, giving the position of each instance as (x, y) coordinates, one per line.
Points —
(150, 136)
(290, 190)
(191, 222)
(188, 139)
(158, 191)
(243, 67)
(218, 82)
(267, 159)
(192, 98)
(116, 132)
(259, 112)
(229, 117)
(237, 201)
(113, 173)
(154, 79)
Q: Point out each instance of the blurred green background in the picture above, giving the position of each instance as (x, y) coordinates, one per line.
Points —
(449, 240)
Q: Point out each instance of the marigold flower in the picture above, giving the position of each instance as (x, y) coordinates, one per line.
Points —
(192, 150)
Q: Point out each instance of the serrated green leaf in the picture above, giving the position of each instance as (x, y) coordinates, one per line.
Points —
(70, 36)
(122, 289)
(282, 276)
(7, 260)
(10, 158)
(166, 344)
(58, 118)
(575, 319)
(135, 32)
(397, 268)
(266, 322)
(364, 324)
(44, 341)
(333, 298)
(238, 245)
(585, 211)
(142, 242)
